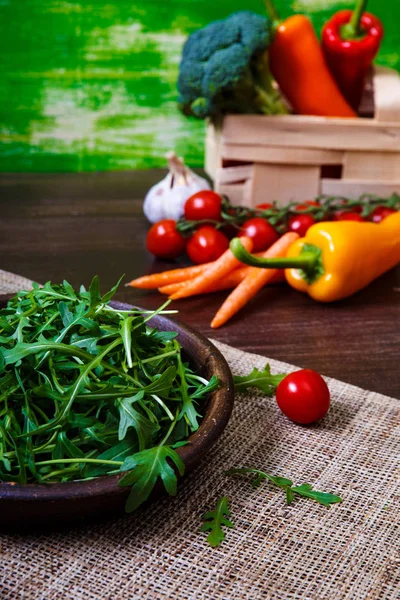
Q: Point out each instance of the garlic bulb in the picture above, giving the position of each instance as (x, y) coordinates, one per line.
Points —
(166, 199)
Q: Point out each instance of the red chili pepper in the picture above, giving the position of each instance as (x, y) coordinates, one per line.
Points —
(350, 42)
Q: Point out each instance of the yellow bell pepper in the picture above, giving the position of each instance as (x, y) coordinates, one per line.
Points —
(335, 259)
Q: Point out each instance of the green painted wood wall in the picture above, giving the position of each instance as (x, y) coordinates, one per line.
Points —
(90, 84)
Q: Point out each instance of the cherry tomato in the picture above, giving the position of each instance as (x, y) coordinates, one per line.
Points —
(164, 241)
(265, 206)
(380, 213)
(307, 204)
(300, 224)
(203, 205)
(356, 208)
(343, 215)
(261, 232)
(206, 244)
(303, 396)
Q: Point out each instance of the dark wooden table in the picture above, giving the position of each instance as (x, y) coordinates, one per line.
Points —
(74, 226)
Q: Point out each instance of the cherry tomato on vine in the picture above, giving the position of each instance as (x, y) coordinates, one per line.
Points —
(343, 215)
(307, 204)
(303, 396)
(164, 241)
(261, 232)
(380, 213)
(203, 205)
(265, 206)
(300, 224)
(206, 244)
(356, 208)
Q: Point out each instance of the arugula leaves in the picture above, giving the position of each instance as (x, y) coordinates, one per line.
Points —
(215, 520)
(87, 390)
(145, 468)
(305, 490)
(263, 380)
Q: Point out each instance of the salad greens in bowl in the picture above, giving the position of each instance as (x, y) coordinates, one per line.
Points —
(101, 404)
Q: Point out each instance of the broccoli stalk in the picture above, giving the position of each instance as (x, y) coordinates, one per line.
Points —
(224, 69)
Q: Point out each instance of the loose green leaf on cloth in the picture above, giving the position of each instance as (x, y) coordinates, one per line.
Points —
(262, 380)
(305, 490)
(214, 520)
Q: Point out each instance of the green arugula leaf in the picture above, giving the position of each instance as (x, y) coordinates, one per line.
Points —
(65, 447)
(305, 490)
(69, 289)
(215, 520)
(188, 410)
(126, 334)
(107, 297)
(119, 452)
(94, 294)
(145, 469)
(161, 384)
(66, 315)
(262, 380)
(323, 498)
(209, 387)
(130, 417)
(162, 336)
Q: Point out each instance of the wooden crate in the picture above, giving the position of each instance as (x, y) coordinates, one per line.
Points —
(255, 158)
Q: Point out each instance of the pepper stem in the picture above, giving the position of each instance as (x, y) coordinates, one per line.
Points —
(352, 30)
(307, 261)
(271, 10)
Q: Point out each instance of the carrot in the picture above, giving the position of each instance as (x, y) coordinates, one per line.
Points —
(253, 282)
(156, 280)
(216, 271)
(225, 283)
(228, 282)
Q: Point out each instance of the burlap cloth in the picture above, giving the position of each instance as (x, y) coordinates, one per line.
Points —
(302, 551)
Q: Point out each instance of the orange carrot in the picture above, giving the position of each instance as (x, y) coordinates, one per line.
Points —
(156, 280)
(225, 283)
(216, 271)
(228, 282)
(253, 282)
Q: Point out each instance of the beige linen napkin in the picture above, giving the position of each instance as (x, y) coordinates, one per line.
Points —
(303, 551)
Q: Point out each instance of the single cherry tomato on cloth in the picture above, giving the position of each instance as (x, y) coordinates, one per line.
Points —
(203, 205)
(260, 232)
(206, 244)
(300, 224)
(380, 213)
(343, 215)
(164, 241)
(303, 396)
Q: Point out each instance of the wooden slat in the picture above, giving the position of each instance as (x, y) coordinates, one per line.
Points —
(233, 174)
(283, 183)
(311, 132)
(352, 188)
(281, 155)
(212, 158)
(387, 94)
(235, 193)
(372, 166)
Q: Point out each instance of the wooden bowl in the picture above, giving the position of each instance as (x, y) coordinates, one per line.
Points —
(52, 505)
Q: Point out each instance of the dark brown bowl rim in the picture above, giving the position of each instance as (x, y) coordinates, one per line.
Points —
(217, 415)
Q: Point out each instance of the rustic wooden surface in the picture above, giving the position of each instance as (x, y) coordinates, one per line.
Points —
(74, 226)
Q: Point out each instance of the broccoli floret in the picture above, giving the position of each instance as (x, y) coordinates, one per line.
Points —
(224, 69)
